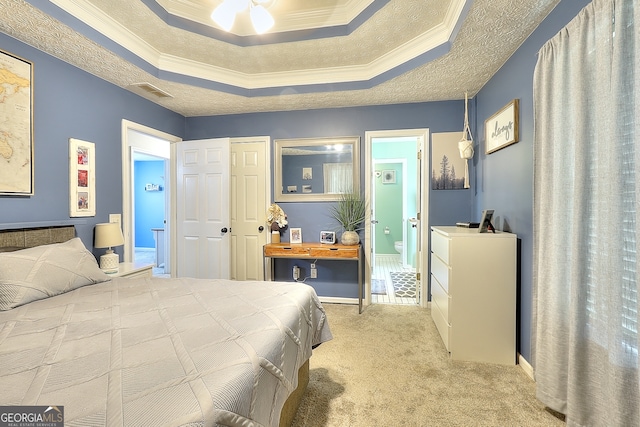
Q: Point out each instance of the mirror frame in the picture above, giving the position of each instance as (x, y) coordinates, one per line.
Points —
(279, 196)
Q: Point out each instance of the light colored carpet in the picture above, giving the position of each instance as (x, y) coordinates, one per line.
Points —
(388, 367)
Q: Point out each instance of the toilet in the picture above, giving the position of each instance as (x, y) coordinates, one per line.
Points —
(398, 246)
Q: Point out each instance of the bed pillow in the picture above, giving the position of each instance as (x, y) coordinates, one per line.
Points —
(44, 271)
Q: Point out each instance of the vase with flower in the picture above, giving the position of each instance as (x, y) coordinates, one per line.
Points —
(277, 220)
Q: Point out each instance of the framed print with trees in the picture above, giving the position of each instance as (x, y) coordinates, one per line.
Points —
(447, 171)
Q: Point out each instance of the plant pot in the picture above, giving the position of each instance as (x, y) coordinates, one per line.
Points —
(275, 237)
(350, 238)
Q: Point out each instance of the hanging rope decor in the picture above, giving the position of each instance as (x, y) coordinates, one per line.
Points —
(465, 146)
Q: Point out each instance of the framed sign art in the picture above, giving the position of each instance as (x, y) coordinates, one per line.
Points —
(501, 129)
(82, 178)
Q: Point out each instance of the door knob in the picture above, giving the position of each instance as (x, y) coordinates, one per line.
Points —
(261, 229)
(224, 230)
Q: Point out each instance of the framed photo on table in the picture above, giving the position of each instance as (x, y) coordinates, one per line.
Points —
(82, 178)
(295, 235)
(328, 237)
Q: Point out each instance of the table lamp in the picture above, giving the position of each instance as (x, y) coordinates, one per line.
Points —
(109, 235)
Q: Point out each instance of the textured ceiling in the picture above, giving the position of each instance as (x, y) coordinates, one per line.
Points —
(406, 51)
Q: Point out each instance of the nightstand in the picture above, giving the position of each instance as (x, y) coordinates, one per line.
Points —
(133, 269)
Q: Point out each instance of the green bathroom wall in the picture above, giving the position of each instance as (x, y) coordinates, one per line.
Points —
(389, 196)
(388, 209)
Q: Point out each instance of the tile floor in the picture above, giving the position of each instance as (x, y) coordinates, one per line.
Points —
(384, 265)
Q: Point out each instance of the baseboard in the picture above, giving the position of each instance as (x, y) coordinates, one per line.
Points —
(526, 367)
(338, 300)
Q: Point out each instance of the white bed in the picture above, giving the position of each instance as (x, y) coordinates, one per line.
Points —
(150, 352)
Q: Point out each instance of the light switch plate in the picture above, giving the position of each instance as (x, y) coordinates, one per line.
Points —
(116, 218)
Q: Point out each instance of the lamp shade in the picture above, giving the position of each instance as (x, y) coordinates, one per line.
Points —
(108, 235)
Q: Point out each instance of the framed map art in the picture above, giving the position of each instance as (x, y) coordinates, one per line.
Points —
(82, 178)
(16, 125)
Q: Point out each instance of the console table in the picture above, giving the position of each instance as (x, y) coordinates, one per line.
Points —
(314, 251)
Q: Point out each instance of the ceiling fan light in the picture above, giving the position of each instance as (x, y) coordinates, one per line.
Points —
(261, 19)
(224, 15)
(239, 5)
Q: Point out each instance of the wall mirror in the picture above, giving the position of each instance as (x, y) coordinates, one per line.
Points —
(316, 169)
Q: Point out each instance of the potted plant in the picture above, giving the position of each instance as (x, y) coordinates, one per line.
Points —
(350, 211)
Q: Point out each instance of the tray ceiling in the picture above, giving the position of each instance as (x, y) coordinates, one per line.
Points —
(320, 53)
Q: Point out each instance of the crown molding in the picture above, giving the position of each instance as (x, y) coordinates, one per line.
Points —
(338, 15)
(411, 50)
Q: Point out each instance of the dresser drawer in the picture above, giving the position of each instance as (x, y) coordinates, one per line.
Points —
(440, 245)
(441, 271)
(441, 298)
(441, 324)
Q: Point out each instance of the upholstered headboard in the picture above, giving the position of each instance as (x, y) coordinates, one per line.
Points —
(30, 237)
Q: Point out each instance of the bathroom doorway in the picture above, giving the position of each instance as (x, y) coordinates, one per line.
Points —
(393, 277)
(141, 144)
(151, 185)
(394, 192)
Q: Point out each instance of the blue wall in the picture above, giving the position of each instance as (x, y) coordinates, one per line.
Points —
(149, 205)
(505, 178)
(446, 207)
(70, 103)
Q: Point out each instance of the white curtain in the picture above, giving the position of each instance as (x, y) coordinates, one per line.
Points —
(338, 178)
(586, 228)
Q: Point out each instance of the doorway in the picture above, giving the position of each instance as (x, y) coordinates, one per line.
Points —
(250, 166)
(151, 184)
(150, 176)
(395, 238)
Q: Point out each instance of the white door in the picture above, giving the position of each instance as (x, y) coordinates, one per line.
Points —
(249, 196)
(417, 224)
(202, 203)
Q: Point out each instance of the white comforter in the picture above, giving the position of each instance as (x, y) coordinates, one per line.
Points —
(161, 352)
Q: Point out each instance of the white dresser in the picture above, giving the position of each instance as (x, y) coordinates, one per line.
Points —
(473, 293)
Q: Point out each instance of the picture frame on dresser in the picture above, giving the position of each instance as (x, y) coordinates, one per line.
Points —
(485, 222)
